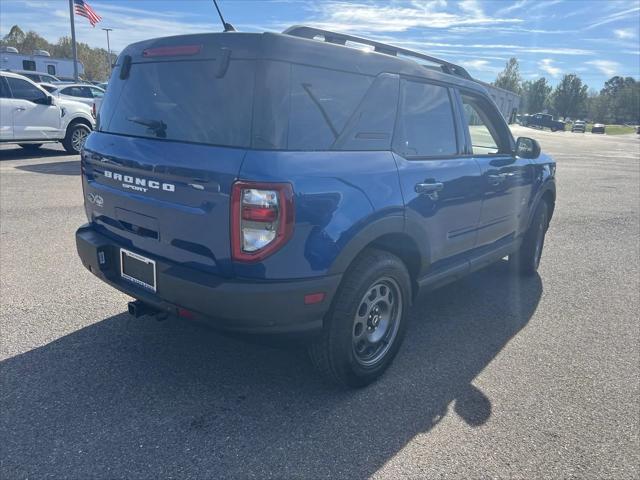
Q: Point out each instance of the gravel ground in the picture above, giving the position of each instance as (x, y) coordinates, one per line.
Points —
(498, 377)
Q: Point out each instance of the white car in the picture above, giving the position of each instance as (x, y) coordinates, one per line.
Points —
(79, 92)
(30, 116)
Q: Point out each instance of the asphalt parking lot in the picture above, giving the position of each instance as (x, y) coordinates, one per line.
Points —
(498, 377)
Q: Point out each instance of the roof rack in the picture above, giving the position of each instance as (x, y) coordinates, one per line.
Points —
(304, 31)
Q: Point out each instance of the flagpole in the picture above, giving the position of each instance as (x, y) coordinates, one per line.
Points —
(73, 42)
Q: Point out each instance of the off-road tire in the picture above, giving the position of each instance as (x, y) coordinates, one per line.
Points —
(333, 352)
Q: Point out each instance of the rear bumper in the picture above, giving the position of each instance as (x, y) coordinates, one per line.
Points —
(237, 305)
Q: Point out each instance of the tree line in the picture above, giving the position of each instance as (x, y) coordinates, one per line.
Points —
(95, 60)
(617, 102)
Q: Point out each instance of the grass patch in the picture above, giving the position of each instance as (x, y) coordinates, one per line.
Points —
(609, 129)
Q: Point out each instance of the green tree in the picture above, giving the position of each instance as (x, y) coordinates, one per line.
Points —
(14, 38)
(621, 96)
(535, 95)
(570, 96)
(509, 78)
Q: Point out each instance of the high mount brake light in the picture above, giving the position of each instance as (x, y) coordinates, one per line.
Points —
(262, 219)
(172, 51)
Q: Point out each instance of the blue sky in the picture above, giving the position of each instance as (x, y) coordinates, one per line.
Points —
(595, 39)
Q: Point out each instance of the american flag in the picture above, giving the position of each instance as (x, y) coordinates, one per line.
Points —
(83, 9)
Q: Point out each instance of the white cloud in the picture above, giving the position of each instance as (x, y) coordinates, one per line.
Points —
(514, 6)
(480, 65)
(396, 17)
(607, 67)
(614, 17)
(546, 65)
(624, 33)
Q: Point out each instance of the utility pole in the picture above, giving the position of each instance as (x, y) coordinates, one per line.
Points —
(109, 49)
(73, 42)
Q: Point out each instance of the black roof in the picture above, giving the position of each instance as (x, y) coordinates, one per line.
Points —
(296, 48)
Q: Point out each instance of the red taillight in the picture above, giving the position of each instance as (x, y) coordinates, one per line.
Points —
(93, 109)
(172, 51)
(259, 214)
(262, 219)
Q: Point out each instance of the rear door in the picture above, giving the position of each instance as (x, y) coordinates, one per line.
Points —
(506, 179)
(32, 118)
(6, 111)
(170, 140)
(441, 188)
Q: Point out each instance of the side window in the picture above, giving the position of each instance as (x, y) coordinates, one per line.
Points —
(51, 69)
(24, 90)
(85, 92)
(4, 90)
(29, 65)
(77, 92)
(425, 127)
(322, 102)
(96, 93)
(483, 133)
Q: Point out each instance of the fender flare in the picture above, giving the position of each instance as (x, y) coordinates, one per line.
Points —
(371, 231)
(548, 186)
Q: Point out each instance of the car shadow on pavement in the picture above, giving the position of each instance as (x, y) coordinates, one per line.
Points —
(53, 168)
(136, 398)
(19, 153)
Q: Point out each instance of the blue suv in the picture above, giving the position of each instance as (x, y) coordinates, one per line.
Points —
(291, 183)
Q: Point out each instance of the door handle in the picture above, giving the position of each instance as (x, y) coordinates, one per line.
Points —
(496, 180)
(429, 189)
(20, 109)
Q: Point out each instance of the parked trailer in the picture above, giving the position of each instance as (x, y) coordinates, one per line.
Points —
(508, 102)
(38, 61)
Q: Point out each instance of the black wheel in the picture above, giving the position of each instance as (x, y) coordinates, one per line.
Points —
(527, 259)
(366, 325)
(553, 129)
(30, 146)
(77, 134)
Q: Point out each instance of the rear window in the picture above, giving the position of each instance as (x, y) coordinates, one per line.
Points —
(182, 101)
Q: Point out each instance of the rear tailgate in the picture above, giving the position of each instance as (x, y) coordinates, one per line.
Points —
(152, 202)
(172, 132)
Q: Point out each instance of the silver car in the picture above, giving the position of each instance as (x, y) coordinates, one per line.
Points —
(80, 92)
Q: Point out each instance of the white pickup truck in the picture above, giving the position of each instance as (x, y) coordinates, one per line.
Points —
(30, 116)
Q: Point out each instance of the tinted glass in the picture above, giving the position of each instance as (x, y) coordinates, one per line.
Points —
(51, 69)
(426, 127)
(96, 92)
(184, 101)
(4, 90)
(82, 92)
(484, 139)
(29, 65)
(24, 90)
(322, 101)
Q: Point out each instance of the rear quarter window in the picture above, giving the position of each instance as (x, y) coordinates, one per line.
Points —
(322, 101)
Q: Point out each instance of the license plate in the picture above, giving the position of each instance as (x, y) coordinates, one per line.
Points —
(138, 269)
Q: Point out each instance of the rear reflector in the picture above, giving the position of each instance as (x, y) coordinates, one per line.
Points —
(172, 51)
(312, 298)
(184, 313)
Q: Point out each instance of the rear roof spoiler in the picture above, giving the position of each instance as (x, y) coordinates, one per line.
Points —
(312, 33)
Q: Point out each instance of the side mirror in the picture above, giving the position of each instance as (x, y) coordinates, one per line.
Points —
(46, 100)
(527, 148)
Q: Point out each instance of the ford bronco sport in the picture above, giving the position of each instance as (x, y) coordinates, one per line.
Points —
(280, 183)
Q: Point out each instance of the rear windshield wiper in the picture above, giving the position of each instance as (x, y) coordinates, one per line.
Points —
(158, 127)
